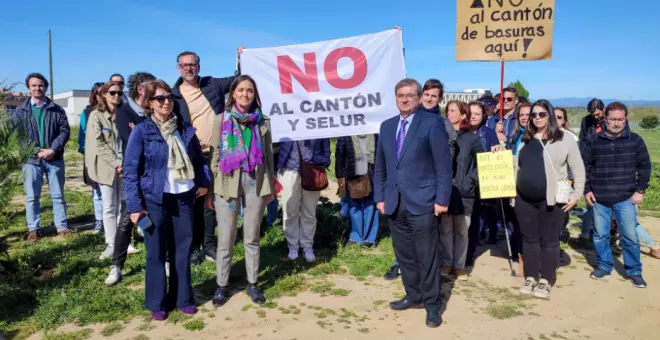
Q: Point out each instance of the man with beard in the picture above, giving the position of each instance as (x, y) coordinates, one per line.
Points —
(618, 170)
(432, 94)
(198, 100)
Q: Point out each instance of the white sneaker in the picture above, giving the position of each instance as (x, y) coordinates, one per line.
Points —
(542, 290)
(107, 253)
(293, 254)
(528, 287)
(132, 250)
(114, 276)
(309, 255)
(167, 269)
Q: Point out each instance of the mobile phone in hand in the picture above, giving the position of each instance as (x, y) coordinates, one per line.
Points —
(144, 222)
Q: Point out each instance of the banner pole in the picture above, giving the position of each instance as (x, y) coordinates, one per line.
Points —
(502, 90)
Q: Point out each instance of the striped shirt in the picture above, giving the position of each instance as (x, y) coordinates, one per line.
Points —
(616, 167)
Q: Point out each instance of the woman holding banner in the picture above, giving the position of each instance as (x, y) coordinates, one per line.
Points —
(243, 171)
(544, 195)
(454, 225)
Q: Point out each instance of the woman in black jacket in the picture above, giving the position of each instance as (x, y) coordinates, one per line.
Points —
(455, 224)
(354, 162)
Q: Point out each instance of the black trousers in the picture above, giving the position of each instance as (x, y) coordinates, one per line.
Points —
(540, 226)
(122, 240)
(415, 241)
(204, 223)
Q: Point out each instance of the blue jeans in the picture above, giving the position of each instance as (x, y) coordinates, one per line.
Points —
(587, 223)
(625, 215)
(364, 219)
(98, 202)
(271, 211)
(33, 180)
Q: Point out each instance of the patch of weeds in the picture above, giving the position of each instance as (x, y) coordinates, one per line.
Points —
(246, 307)
(285, 310)
(340, 292)
(321, 315)
(322, 287)
(503, 311)
(261, 313)
(543, 337)
(77, 335)
(363, 330)
(529, 337)
(204, 310)
(290, 285)
(147, 326)
(194, 325)
(576, 331)
(211, 315)
(177, 317)
(347, 327)
(141, 337)
(322, 324)
(533, 314)
(342, 320)
(270, 305)
(111, 329)
(557, 336)
(572, 267)
(326, 268)
(302, 304)
(227, 319)
(379, 302)
(345, 314)
(329, 311)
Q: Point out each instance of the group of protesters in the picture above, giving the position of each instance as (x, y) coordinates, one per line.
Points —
(170, 164)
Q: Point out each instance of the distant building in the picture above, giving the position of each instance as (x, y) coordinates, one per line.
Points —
(462, 96)
(73, 102)
(12, 99)
(477, 91)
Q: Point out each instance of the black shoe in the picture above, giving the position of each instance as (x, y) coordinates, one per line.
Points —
(220, 296)
(196, 257)
(433, 319)
(255, 293)
(565, 236)
(393, 273)
(404, 304)
(210, 255)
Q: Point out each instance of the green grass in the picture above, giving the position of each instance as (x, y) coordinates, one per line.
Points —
(112, 329)
(194, 325)
(77, 335)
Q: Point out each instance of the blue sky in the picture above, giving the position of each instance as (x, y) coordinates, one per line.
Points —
(604, 48)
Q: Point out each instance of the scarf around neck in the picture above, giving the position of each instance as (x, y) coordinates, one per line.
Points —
(371, 147)
(240, 141)
(177, 157)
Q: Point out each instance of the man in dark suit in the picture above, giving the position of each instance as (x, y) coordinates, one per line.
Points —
(412, 178)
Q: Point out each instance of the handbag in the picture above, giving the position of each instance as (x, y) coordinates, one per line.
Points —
(360, 187)
(563, 187)
(312, 176)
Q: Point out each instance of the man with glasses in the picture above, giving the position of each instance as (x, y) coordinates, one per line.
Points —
(618, 170)
(489, 103)
(43, 126)
(509, 115)
(198, 100)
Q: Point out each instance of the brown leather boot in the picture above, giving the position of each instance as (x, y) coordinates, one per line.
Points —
(33, 236)
(655, 253)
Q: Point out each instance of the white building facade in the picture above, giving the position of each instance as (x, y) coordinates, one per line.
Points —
(461, 96)
(73, 102)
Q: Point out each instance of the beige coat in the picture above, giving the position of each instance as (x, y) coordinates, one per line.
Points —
(563, 154)
(102, 155)
(226, 186)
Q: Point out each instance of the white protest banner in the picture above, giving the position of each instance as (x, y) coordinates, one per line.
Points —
(330, 88)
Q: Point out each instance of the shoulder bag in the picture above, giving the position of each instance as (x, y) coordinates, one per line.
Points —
(312, 176)
(563, 187)
(360, 187)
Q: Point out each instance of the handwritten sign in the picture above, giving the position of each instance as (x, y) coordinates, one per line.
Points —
(496, 177)
(508, 30)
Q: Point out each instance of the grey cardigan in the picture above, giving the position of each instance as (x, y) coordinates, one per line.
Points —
(563, 154)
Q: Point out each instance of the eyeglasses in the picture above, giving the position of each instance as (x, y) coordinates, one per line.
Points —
(541, 114)
(612, 120)
(161, 99)
(509, 99)
(116, 93)
(487, 102)
(187, 65)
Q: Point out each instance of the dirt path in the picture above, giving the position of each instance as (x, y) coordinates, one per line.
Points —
(487, 306)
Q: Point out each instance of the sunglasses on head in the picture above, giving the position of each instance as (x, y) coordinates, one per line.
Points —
(541, 114)
(116, 93)
(161, 99)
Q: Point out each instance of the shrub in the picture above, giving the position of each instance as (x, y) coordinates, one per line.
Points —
(650, 122)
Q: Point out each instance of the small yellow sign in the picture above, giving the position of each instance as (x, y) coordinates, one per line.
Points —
(504, 30)
(496, 176)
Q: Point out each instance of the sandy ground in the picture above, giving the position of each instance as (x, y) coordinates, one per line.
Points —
(486, 307)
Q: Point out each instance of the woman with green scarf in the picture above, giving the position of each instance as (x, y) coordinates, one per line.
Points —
(354, 162)
(242, 166)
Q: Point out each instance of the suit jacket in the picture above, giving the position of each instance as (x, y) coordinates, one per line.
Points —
(423, 175)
